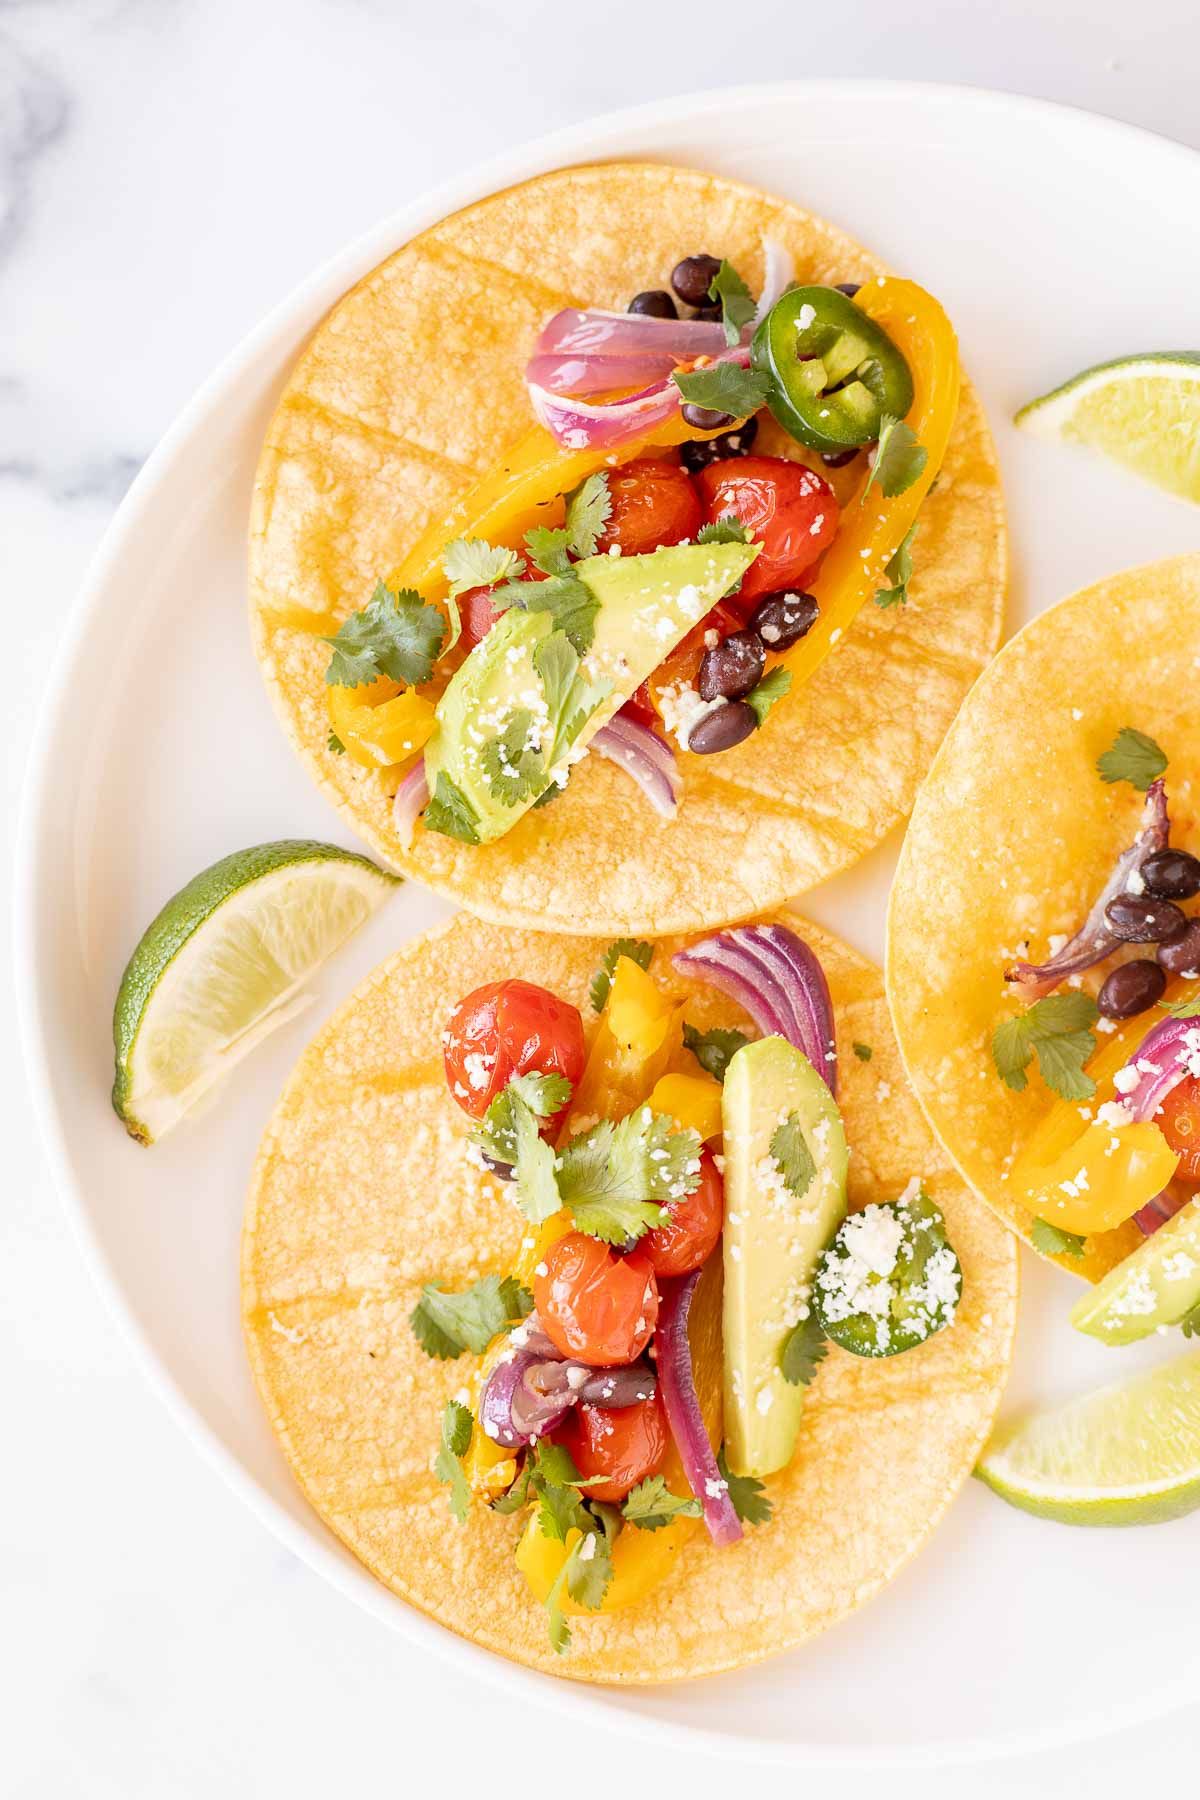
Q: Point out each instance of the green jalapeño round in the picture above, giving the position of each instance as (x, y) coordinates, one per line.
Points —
(834, 373)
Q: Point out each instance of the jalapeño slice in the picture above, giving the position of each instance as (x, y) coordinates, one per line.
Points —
(834, 372)
(889, 1279)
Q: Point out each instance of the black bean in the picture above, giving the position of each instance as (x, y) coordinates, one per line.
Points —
(696, 454)
(1182, 955)
(722, 728)
(1131, 989)
(504, 1170)
(704, 419)
(711, 314)
(731, 668)
(693, 277)
(1171, 875)
(781, 620)
(655, 303)
(1140, 919)
(838, 459)
(849, 288)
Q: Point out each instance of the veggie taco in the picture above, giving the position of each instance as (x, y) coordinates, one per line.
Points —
(1044, 945)
(579, 490)
(612, 1303)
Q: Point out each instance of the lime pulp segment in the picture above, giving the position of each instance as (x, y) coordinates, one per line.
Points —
(1143, 411)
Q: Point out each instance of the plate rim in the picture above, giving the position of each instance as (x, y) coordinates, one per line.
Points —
(590, 139)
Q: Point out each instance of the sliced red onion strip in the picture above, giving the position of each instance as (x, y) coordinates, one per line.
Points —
(532, 1387)
(1174, 1197)
(778, 979)
(678, 1388)
(644, 756)
(596, 332)
(582, 425)
(1166, 1056)
(778, 271)
(412, 797)
(498, 1403)
(596, 374)
(1094, 941)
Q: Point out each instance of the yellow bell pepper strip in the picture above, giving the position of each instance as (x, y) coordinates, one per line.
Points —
(639, 1033)
(872, 527)
(641, 1559)
(379, 724)
(694, 1101)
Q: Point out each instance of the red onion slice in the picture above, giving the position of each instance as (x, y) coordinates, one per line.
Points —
(529, 1392)
(678, 1387)
(1094, 941)
(594, 332)
(775, 976)
(584, 425)
(596, 374)
(646, 757)
(500, 1404)
(1174, 1197)
(1166, 1056)
(412, 797)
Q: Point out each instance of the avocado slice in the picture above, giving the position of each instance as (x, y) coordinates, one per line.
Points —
(773, 1239)
(517, 712)
(1157, 1284)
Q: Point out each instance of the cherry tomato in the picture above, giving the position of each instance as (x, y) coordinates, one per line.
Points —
(594, 1304)
(477, 613)
(624, 1443)
(508, 1028)
(790, 510)
(653, 503)
(684, 661)
(640, 706)
(690, 1238)
(1178, 1118)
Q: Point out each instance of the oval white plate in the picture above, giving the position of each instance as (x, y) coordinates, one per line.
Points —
(1054, 239)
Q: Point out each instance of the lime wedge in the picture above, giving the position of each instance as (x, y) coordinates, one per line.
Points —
(222, 965)
(1143, 411)
(1126, 1455)
(1156, 1285)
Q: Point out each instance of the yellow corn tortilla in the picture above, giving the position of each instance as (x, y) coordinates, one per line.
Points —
(413, 386)
(1012, 837)
(362, 1193)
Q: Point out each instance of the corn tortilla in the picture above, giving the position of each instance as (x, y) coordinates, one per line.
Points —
(362, 1192)
(413, 386)
(1012, 837)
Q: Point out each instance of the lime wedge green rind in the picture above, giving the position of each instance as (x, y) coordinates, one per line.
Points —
(1125, 1455)
(1143, 411)
(215, 970)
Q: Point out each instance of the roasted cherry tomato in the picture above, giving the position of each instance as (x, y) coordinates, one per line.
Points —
(477, 613)
(683, 662)
(594, 1304)
(508, 1028)
(790, 510)
(1178, 1118)
(653, 503)
(624, 1444)
(690, 1238)
(640, 706)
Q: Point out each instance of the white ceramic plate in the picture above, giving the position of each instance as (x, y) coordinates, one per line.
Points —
(1055, 239)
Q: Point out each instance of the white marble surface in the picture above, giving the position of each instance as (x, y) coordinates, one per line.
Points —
(168, 168)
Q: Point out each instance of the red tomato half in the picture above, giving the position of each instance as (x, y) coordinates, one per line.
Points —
(477, 613)
(790, 510)
(508, 1028)
(653, 503)
(624, 1443)
(690, 1238)
(1178, 1118)
(594, 1304)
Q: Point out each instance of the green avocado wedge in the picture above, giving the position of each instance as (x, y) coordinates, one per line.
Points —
(526, 702)
(1157, 1285)
(785, 1196)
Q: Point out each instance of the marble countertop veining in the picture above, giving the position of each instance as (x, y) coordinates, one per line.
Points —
(168, 170)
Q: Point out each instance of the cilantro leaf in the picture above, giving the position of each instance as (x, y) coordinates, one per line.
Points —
(334, 743)
(724, 388)
(547, 546)
(536, 1190)
(570, 603)
(713, 1049)
(637, 951)
(1133, 757)
(804, 1350)
(738, 305)
(570, 698)
(725, 530)
(746, 1495)
(447, 1324)
(863, 1052)
(1051, 1241)
(1056, 1030)
(651, 1505)
(394, 634)
(616, 1179)
(771, 688)
(589, 507)
(1182, 1009)
(792, 1156)
(899, 573)
(899, 458)
(512, 767)
(1190, 1322)
(456, 1441)
(543, 1095)
(450, 812)
(473, 562)
(589, 1566)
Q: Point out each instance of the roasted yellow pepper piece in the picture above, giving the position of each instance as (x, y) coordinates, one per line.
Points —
(693, 1100)
(639, 1033)
(1100, 1180)
(380, 724)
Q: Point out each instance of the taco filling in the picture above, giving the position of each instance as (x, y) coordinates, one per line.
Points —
(686, 1254)
(630, 577)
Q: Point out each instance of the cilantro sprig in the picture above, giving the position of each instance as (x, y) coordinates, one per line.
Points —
(899, 572)
(738, 304)
(450, 812)
(725, 530)
(395, 634)
(1188, 1008)
(445, 1325)
(508, 1132)
(589, 507)
(713, 1049)
(651, 1505)
(618, 1179)
(804, 1350)
(771, 688)
(457, 1426)
(792, 1156)
(541, 1094)
(1132, 757)
(601, 984)
(1051, 1240)
(724, 388)
(899, 458)
(1057, 1030)
(747, 1496)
